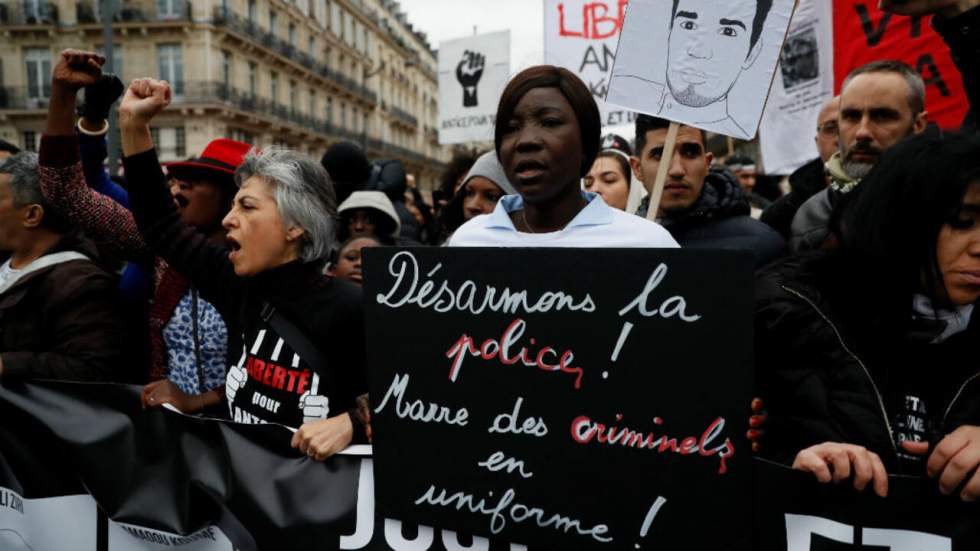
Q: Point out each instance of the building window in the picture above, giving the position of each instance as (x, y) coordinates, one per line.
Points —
(252, 11)
(253, 78)
(38, 64)
(355, 119)
(312, 103)
(321, 12)
(293, 101)
(171, 143)
(38, 11)
(180, 142)
(311, 47)
(336, 24)
(242, 136)
(273, 21)
(170, 9)
(361, 40)
(365, 123)
(329, 110)
(117, 60)
(274, 87)
(343, 115)
(292, 34)
(29, 140)
(225, 69)
(172, 66)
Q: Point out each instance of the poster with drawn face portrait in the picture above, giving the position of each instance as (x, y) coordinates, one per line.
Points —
(703, 63)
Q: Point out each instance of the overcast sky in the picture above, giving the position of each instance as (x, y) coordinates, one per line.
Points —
(449, 19)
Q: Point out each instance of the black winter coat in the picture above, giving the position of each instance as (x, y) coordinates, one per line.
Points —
(820, 378)
(64, 322)
(806, 182)
(720, 220)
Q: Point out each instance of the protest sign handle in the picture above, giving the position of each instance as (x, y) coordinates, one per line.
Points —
(665, 159)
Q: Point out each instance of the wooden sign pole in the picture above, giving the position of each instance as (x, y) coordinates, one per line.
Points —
(665, 159)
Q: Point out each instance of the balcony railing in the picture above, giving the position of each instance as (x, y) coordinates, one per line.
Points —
(404, 117)
(134, 11)
(217, 92)
(224, 17)
(25, 98)
(28, 13)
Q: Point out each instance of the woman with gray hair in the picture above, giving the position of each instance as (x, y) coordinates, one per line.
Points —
(300, 362)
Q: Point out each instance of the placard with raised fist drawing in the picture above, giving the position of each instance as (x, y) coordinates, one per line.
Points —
(472, 73)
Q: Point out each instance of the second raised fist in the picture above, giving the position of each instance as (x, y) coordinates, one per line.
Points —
(143, 100)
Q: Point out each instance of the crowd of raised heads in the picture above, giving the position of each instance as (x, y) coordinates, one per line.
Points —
(233, 278)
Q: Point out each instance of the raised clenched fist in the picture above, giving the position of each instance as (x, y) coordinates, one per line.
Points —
(76, 69)
(468, 73)
(144, 99)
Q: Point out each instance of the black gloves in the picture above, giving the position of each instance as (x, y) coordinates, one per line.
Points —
(100, 96)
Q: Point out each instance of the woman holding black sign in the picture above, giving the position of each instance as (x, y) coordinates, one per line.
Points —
(547, 137)
(867, 355)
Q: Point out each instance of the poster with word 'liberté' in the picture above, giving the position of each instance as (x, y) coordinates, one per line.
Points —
(702, 63)
(473, 72)
(563, 399)
(581, 36)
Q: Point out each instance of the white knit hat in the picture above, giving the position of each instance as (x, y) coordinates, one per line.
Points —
(490, 168)
(376, 200)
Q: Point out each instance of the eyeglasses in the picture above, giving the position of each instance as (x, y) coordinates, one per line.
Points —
(828, 128)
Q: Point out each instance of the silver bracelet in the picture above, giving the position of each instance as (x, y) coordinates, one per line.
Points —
(101, 132)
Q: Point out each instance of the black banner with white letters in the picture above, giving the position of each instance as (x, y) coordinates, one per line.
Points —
(795, 513)
(563, 398)
(171, 473)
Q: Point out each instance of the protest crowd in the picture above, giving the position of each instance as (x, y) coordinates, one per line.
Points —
(194, 277)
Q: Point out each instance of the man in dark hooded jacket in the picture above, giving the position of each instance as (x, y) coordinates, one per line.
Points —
(348, 168)
(388, 176)
(701, 207)
(59, 310)
(811, 178)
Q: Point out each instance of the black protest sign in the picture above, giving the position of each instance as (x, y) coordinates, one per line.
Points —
(793, 512)
(580, 399)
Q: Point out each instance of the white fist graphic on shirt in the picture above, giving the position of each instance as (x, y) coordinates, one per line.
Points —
(314, 407)
(234, 382)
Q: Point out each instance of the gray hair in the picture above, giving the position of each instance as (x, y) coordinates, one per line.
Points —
(917, 87)
(304, 195)
(25, 181)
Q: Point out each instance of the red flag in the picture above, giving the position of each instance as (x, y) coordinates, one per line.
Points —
(863, 33)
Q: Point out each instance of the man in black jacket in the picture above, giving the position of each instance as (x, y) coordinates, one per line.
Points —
(59, 317)
(701, 207)
(810, 178)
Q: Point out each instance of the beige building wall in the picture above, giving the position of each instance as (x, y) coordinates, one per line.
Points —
(299, 73)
